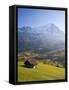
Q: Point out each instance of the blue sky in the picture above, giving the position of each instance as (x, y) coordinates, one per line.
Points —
(40, 17)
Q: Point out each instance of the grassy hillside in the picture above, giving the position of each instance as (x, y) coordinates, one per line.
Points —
(41, 72)
(55, 57)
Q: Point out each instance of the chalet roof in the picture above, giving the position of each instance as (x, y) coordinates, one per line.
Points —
(34, 62)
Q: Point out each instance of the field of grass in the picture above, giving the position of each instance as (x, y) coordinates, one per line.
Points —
(41, 72)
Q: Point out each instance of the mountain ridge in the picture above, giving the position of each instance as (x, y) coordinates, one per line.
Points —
(47, 37)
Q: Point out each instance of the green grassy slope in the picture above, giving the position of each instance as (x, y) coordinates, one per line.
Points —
(41, 72)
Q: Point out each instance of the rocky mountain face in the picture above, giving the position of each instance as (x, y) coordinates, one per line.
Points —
(40, 39)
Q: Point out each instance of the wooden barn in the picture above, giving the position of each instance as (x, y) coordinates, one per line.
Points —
(30, 63)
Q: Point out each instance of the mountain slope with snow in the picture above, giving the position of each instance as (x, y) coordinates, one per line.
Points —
(45, 38)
